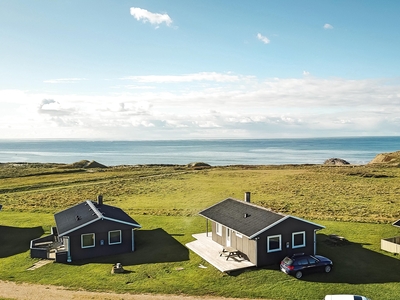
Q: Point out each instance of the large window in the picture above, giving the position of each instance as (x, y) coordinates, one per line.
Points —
(114, 237)
(218, 229)
(274, 243)
(298, 239)
(88, 240)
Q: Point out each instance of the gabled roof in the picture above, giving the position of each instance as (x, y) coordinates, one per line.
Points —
(88, 212)
(246, 218)
(397, 223)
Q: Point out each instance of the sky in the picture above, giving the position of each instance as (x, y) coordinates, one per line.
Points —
(185, 69)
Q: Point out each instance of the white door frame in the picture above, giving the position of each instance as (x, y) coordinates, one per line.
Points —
(133, 240)
(228, 237)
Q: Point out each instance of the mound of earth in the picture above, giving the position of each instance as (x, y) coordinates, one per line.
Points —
(198, 165)
(94, 164)
(392, 158)
(336, 162)
(85, 164)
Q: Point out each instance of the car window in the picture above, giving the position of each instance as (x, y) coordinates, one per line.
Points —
(312, 260)
(358, 298)
(302, 262)
(287, 261)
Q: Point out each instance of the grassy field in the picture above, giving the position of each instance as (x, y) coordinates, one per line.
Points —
(357, 202)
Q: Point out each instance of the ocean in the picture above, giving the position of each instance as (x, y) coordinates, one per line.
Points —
(355, 150)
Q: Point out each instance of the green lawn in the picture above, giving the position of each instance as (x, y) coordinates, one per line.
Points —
(358, 203)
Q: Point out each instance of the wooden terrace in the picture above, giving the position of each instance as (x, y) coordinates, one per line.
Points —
(211, 251)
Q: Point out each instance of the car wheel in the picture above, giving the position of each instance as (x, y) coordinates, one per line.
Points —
(298, 274)
(328, 268)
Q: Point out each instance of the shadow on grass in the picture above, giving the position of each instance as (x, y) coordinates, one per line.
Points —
(15, 240)
(354, 264)
(152, 246)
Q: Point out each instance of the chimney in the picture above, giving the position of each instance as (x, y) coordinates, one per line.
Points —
(247, 196)
(100, 199)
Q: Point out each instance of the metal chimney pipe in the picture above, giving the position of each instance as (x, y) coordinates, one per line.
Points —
(247, 196)
(100, 199)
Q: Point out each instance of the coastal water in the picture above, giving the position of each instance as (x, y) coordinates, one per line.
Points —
(358, 150)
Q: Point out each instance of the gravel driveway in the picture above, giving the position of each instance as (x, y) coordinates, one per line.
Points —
(27, 291)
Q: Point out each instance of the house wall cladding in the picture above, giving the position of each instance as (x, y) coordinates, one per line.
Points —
(285, 229)
(243, 244)
(256, 250)
(100, 229)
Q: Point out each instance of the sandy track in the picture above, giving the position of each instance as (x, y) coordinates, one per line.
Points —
(26, 291)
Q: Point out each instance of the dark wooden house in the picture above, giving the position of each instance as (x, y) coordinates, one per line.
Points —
(262, 236)
(86, 230)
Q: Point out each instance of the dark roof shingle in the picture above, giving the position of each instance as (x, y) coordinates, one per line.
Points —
(88, 212)
(241, 216)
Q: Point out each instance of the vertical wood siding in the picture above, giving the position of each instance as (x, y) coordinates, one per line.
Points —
(285, 229)
(101, 229)
(256, 250)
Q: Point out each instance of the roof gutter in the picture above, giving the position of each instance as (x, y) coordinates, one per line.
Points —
(123, 222)
(78, 227)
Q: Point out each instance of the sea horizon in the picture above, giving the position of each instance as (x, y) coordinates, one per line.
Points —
(216, 152)
(189, 139)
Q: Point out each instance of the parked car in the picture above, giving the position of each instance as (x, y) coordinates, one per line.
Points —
(345, 297)
(299, 264)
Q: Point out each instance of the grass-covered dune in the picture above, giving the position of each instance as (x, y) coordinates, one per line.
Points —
(357, 202)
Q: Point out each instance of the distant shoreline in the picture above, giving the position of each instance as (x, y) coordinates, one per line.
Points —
(315, 151)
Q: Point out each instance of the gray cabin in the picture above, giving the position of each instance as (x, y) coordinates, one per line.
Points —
(86, 230)
(261, 236)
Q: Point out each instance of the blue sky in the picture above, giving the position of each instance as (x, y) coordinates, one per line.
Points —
(139, 70)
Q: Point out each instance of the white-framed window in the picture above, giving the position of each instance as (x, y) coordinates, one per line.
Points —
(218, 229)
(114, 237)
(274, 243)
(298, 239)
(88, 240)
(239, 235)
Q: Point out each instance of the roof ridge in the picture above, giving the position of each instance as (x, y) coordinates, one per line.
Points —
(95, 209)
(259, 206)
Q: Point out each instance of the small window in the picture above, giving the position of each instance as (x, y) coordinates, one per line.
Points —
(274, 243)
(114, 237)
(298, 239)
(87, 240)
(218, 229)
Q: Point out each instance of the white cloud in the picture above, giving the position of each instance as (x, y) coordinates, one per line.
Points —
(240, 106)
(328, 26)
(203, 76)
(263, 39)
(153, 18)
(54, 108)
(64, 80)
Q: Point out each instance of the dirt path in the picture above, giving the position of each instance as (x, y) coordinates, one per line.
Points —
(26, 291)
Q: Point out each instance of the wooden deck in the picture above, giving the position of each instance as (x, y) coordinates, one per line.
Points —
(210, 251)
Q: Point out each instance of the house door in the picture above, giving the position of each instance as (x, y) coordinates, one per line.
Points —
(133, 240)
(228, 237)
(67, 245)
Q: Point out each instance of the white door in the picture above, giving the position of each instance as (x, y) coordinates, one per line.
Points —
(228, 237)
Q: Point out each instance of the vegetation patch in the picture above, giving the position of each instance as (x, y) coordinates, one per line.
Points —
(165, 200)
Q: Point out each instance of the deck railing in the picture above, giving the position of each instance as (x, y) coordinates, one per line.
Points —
(40, 246)
(391, 245)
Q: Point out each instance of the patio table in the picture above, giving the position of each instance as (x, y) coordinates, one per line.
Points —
(230, 252)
